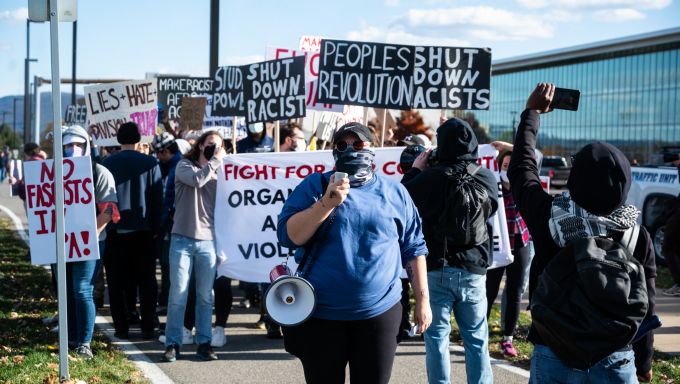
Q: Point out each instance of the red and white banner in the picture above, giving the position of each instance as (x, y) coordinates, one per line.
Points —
(79, 210)
(251, 191)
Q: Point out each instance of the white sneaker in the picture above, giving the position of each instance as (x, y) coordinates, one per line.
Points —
(218, 337)
(672, 291)
(187, 337)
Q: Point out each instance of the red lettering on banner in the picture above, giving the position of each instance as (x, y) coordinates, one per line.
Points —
(392, 168)
(489, 162)
(303, 171)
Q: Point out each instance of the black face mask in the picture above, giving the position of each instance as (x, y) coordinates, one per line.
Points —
(209, 151)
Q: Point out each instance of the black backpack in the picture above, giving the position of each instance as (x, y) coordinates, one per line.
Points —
(590, 299)
(467, 205)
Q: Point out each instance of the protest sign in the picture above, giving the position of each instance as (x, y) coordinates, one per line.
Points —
(311, 75)
(310, 43)
(367, 74)
(75, 114)
(193, 111)
(487, 157)
(451, 78)
(172, 89)
(329, 122)
(79, 210)
(251, 191)
(274, 90)
(225, 128)
(228, 92)
(110, 105)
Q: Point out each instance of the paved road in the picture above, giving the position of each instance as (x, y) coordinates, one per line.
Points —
(249, 357)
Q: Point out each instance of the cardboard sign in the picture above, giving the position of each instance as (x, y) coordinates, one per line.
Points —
(311, 75)
(226, 126)
(193, 111)
(310, 43)
(275, 90)
(228, 92)
(367, 74)
(75, 114)
(451, 78)
(251, 191)
(110, 105)
(329, 122)
(79, 210)
(171, 91)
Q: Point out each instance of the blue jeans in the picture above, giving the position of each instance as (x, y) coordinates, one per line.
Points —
(463, 293)
(185, 254)
(81, 312)
(546, 367)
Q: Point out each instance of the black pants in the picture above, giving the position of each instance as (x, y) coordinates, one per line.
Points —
(513, 286)
(130, 257)
(671, 243)
(405, 305)
(223, 301)
(326, 346)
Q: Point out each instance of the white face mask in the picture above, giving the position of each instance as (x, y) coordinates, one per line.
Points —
(300, 145)
(504, 177)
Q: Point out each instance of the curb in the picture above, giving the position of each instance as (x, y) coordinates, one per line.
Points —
(141, 361)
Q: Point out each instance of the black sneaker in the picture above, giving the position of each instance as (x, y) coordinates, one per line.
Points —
(123, 335)
(205, 352)
(149, 335)
(171, 352)
(274, 331)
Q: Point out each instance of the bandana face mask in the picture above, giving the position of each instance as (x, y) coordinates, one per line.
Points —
(358, 164)
(74, 151)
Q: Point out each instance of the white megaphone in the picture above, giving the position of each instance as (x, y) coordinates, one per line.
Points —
(290, 300)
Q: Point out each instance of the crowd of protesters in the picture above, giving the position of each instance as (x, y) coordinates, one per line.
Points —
(156, 203)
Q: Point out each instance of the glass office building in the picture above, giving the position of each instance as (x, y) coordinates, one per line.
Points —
(630, 95)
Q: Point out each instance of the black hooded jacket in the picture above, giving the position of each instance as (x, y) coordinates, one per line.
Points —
(457, 147)
(599, 183)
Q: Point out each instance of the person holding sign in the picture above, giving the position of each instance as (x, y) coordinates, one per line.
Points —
(192, 244)
(359, 231)
(80, 276)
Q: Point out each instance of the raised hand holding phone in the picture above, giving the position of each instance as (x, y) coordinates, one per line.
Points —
(337, 190)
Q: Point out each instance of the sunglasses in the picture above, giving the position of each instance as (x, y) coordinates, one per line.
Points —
(342, 146)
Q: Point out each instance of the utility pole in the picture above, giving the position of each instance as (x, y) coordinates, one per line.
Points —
(14, 122)
(214, 35)
(73, 60)
(27, 99)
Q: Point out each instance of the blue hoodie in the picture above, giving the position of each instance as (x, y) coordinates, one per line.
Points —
(375, 232)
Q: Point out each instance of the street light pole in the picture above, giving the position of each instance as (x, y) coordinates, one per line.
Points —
(14, 122)
(214, 35)
(73, 68)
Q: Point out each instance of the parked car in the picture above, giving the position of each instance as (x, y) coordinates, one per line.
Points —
(557, 168)
(653, 191)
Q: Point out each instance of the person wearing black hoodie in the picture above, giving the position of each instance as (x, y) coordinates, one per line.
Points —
(593, 206)
(456, 277)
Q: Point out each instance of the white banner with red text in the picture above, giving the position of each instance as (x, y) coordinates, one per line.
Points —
(251, 191)
(79, 211)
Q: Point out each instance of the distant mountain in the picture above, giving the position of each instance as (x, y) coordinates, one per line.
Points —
(7, 105)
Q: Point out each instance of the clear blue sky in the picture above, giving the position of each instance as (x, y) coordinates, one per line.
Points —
(128, 38)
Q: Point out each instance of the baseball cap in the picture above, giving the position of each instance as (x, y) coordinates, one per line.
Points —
(162, 141)
(418, 139)
(358, 129)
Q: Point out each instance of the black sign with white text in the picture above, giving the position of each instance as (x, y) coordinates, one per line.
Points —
(275, 89)
(451, 78)
(227, 97)
(367, 74)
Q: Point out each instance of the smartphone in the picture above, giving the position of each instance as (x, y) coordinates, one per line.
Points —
(566, 99)
(340, 175)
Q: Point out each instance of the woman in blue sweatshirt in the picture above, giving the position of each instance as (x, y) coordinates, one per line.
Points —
(372, 231)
